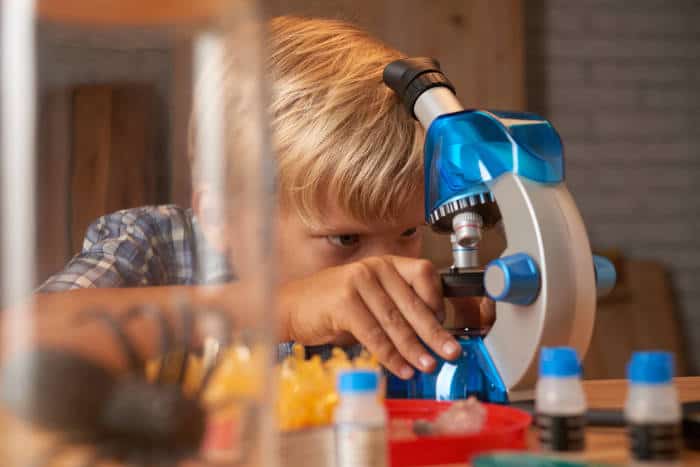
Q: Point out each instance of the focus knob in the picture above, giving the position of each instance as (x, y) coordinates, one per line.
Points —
(605, 275)
(513, 279)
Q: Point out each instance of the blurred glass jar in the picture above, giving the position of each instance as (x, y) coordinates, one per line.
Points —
(145, 90)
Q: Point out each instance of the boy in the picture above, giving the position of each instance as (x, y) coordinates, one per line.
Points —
(350, 206)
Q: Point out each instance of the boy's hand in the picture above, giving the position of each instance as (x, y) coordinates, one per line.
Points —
(385, 303)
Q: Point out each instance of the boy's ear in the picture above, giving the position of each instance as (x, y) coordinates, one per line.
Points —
(208, 209)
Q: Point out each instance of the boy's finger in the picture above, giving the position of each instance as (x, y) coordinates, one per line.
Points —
(420, 317)
(390, 318)
(362, 324)
(422, 276)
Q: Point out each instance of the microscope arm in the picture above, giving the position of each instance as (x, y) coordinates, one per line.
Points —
(545, 281)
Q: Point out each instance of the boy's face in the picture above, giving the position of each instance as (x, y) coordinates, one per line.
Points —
(302, 251)
(340, 239)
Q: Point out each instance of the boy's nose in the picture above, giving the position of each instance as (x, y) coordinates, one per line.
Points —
(392, 247)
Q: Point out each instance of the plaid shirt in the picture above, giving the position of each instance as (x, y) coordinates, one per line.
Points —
(153, 245)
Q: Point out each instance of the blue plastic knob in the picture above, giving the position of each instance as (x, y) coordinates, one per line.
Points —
(605, 275)
(513, 279)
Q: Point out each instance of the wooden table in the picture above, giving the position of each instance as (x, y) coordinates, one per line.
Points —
(610, 444)
(603, 444)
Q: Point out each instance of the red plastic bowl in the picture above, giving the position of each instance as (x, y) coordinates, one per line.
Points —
(506, 428)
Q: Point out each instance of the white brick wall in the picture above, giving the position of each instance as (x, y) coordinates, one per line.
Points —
(620, 80)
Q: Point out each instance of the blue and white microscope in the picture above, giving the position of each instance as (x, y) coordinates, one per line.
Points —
(503, 169)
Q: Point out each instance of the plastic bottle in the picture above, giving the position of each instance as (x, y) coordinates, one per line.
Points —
(560, 404)
(360, 421)
(653, 411)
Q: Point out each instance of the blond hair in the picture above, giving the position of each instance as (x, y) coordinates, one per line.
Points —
(337, 131)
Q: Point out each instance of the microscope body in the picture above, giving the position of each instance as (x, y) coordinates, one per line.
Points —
(503, 169)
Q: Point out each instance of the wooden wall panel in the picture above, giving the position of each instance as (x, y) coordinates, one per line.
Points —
(478, 42)
(91, 129)
(53, 178)
(181, 106)
(114, 165)
(135, 165)
(97, 153)
(640, 314)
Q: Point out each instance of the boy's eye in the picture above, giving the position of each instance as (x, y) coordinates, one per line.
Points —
(345, 240)
(409, 233)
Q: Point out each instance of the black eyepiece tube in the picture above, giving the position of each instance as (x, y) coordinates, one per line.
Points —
(411, 77)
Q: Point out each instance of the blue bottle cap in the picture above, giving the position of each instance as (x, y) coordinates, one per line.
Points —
(654, 367)
(559, 362)
(352, 381)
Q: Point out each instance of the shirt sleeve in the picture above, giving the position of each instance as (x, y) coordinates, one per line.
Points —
(325, 351)
(123, 249)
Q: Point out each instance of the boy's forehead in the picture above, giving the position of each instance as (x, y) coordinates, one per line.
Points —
(335, 219)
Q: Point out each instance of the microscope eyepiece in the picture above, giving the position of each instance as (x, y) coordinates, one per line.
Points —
(411, 77)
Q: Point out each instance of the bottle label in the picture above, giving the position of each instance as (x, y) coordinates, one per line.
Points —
(360, 445)
(561, 432)
(655, 441)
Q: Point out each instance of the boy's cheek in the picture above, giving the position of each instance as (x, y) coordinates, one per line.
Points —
(245, 239)
(305, 258)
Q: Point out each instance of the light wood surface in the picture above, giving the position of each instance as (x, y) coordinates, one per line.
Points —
(610, 444)
(130, 12)
(603, 444)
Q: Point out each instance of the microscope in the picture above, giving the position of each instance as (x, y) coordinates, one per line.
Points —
(505, 170)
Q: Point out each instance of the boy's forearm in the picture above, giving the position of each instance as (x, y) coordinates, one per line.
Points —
(54, 320)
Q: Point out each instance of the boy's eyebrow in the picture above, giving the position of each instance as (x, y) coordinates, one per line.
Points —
(347, 229)
(342, 229)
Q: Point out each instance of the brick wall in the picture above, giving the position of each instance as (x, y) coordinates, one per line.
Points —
(620, 80)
